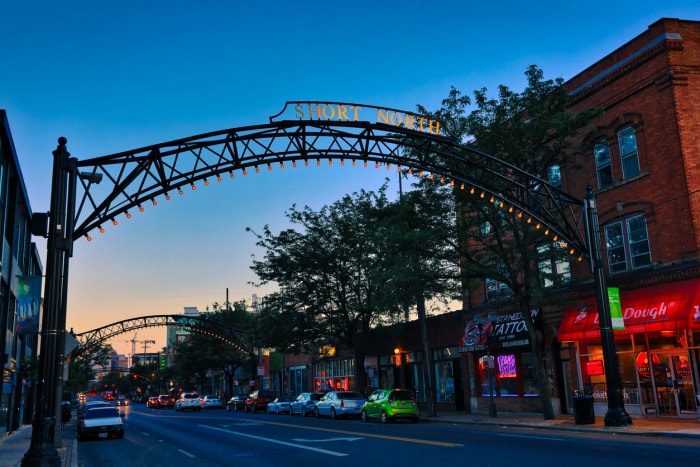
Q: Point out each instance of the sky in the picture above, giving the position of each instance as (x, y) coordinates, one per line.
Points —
(115, 76)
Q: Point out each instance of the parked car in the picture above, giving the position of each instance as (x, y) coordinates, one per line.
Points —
(166, 401)
(336, 404)
(388, 405)
(152, 402)
(236, 403)
(91, 404)
(258, 400)
(304, 403)
(188, 401)
(211, 402)
(123, 401)
(100, 422)
(280, 405)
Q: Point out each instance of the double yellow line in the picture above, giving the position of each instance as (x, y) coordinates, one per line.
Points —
(369, 435)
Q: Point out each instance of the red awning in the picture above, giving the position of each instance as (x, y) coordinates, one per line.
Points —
(665, 307)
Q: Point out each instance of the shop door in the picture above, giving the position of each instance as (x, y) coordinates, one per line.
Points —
(674, 386)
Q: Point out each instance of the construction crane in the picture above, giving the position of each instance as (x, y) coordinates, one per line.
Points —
(145, 343)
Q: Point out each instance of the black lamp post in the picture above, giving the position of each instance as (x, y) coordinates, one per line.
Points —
(42, 450)
(490, 360)
(616, 414)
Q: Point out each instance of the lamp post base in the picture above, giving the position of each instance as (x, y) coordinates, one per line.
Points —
(617, 417)
(492, 410)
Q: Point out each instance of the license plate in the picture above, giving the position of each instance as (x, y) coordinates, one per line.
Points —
(102, 435)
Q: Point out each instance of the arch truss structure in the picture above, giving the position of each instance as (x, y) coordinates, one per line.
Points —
(90, 339)
(328, 131)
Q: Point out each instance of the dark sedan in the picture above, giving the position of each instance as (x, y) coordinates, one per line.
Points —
(236, 403)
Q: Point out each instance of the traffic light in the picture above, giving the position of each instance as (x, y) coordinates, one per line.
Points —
(162, 362)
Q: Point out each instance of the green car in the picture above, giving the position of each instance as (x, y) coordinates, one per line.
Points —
(388, 405)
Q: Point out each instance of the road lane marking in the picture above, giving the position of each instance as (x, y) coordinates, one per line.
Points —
(370, 435)
(548, 438)
(186, 453)
(302, 440)
(276, 441)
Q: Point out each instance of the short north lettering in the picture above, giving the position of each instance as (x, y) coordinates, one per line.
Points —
(351, 113)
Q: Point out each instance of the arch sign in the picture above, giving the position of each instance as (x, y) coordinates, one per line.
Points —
(341, 112)
(89, 194)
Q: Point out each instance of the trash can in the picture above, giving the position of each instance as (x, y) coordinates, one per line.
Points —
(584, 414)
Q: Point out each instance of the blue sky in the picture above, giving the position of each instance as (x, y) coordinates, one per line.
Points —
(114, 76)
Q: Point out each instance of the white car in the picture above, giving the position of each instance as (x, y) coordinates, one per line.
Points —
(280, 405)
(211, 402)
(100, 422)
(337, 404)
(188, 401)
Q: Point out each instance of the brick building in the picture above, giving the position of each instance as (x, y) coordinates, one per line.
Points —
(644, 171)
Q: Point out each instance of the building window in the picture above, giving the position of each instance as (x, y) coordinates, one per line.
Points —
(554, 264)
(496, 289)
(627, 243)
(628, 152)
(554, 175)
(601, 150)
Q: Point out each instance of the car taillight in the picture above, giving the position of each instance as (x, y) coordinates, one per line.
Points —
(391, 401)
(342, 404)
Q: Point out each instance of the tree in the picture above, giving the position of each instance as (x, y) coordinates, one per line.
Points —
(201, 353)
(356, 265)
(81, 368)
(328, 275)
(532, 130)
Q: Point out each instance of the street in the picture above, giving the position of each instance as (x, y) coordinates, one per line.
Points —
(208, 438)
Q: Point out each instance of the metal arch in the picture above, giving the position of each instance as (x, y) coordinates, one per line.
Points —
(91, 339)
(133, 178)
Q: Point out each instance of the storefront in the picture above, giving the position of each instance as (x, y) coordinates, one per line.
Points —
(499, 353)
(658, 350)
(334, 374)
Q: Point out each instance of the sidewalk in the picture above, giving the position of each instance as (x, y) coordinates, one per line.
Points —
(14, 446)
(647, 426)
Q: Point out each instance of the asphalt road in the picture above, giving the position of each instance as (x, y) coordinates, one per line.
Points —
(219, 438)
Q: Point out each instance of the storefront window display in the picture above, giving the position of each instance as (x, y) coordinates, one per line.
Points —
(656, 373)
(513, 375)
(335, 375)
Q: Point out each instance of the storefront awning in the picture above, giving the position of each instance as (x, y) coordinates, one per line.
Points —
(665, 307)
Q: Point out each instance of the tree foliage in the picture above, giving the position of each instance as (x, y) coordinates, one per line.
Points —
(201, 353)
(534, 131)
(350, 267)
(81, 369)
